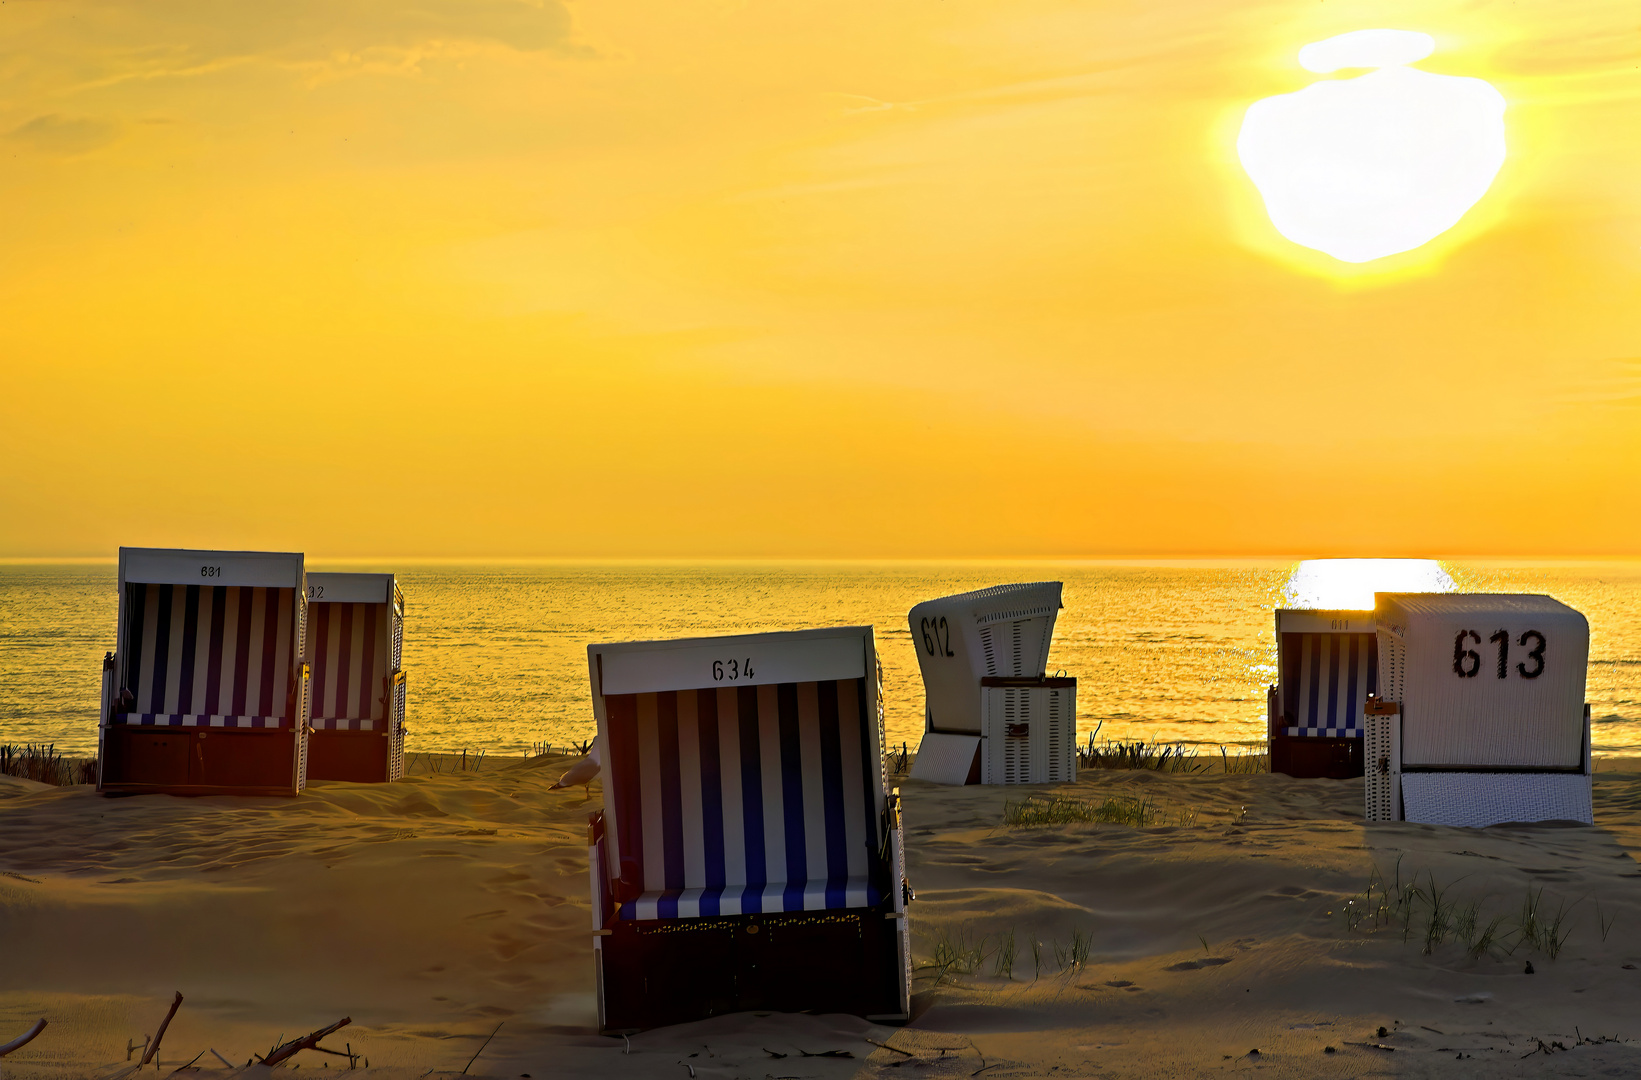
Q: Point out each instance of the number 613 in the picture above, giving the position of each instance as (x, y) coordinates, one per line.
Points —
(1467, 661)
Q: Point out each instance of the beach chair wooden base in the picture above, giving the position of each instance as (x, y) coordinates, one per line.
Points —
(360, 757)
(1307, 757)
(673, 971)
(201, 761)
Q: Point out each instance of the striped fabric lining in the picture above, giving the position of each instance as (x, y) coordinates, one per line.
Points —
(751, 799)
(196, 654)
(188, 720)
(1326, 679)
(348, 646)
(336, 723)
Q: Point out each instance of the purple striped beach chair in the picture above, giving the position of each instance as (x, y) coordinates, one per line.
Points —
(1327, 665)
(355, 643)
(749, 853)
(206, 692)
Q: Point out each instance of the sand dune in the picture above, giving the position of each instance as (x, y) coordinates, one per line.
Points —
(433, 910)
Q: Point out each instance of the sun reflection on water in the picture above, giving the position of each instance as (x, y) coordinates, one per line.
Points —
(1349, 584)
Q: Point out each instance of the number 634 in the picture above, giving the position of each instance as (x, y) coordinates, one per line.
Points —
(731, 670)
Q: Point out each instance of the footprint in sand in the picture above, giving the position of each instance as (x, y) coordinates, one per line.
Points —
(1196, 965)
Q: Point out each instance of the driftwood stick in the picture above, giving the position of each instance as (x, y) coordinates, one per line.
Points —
(222, 1059)
(306, 1042)
(486, 1042)
(25, 1038)
(338, 1053)
(154, 1047)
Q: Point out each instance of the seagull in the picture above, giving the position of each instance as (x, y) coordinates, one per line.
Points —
(582, 772)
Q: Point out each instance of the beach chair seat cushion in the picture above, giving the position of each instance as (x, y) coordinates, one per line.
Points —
(854, 892)
(198, 720)
(745, 799)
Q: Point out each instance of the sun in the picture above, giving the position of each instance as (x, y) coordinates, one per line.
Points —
(1349, 584)
(1375, 165)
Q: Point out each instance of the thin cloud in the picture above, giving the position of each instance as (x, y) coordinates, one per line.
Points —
(111, 41)
(55, 133)
(207, 31)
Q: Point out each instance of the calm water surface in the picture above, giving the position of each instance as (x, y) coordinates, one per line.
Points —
(497, 659)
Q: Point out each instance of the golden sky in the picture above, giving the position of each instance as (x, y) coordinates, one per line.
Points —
(922, 279)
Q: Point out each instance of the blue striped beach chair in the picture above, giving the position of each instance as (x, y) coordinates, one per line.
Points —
(355, 648)
(749, 853)
(207, 691)
(1327, 666)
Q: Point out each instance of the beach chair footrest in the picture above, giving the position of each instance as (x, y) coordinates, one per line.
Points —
(672, 971)
(1477, 800)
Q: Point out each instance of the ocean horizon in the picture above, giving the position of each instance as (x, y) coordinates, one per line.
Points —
(1164, 650)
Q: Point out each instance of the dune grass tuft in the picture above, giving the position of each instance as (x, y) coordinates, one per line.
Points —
(45, 765)
(1428, 908)
(1164, 757)
(1060, 810)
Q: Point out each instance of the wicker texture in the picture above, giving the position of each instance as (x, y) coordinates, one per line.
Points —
(1490, 680)
(1030, 734)
(1002, 631)
(1476, 800)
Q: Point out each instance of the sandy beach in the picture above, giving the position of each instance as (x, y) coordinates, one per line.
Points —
(433, 910)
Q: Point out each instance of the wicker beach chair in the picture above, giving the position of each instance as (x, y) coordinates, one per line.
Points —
(207, 692)
(1482, 718)
(991, 715)
(355, 645)
(749, 853)
(1327, 666)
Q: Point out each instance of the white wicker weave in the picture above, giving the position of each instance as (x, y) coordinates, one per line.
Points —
(1476, 800)
(1003, 631)
(1030, 734)
(1490, 680)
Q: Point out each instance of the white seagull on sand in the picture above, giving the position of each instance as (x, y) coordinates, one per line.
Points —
(582, 772)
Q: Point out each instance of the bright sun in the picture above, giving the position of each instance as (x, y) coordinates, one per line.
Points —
(1349, 584)
(1375, 165)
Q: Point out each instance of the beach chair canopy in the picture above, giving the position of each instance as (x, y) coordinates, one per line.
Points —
(1000, 632)
(1327, 665)
(743, 774)
(1485, 680)
(354, 648)
(209, 638)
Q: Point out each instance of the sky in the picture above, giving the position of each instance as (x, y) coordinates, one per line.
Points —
(930, 279)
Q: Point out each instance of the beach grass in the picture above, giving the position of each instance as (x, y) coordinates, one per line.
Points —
(1165, 757)
(1428, 908)
(956, 951)
(43, 764)
(1137, 811)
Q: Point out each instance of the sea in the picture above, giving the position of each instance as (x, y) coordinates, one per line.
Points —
(1164, 652)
